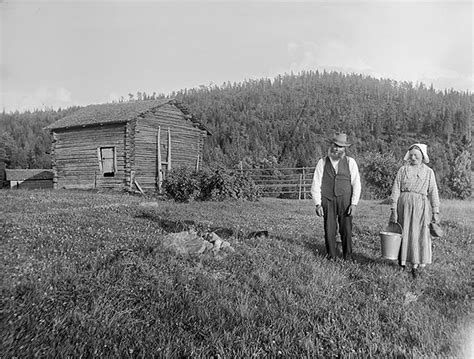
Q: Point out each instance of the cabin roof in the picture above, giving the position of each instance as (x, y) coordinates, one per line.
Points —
(117, 113)
(24, 174)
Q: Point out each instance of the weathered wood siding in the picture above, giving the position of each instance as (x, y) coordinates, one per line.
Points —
(186, 144)
(129, 153)
(32, 184)
(76, 161)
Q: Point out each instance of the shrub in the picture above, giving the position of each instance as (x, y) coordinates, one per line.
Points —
(378, 172)
(223, 184)
(460, 176)
(183, 184)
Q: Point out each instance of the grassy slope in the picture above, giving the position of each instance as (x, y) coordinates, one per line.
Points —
(85, 274)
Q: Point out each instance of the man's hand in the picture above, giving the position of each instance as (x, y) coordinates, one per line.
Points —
(393, 216)
(319, 211)
(435, 218)
(352, 210)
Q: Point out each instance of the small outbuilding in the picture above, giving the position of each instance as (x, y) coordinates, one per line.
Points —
(29, 178)
(130, 145)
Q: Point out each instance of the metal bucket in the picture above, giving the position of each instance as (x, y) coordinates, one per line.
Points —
(391, 240)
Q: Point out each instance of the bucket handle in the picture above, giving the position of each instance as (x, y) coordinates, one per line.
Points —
(396, 223)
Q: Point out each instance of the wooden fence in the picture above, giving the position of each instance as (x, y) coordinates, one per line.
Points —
(283, 182)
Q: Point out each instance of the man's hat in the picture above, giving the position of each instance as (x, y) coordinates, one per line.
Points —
(340, 139)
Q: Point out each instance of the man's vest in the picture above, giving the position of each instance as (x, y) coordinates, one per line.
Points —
(335, 185)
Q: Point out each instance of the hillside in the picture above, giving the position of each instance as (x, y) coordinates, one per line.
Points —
(284, 122)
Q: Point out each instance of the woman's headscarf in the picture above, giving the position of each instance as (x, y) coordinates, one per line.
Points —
(424, 151)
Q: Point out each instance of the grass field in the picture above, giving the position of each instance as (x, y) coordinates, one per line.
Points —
(85, 275)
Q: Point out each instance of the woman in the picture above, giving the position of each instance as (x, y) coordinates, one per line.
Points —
(415, 201)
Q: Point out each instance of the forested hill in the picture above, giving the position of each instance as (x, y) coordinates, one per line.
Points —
(286, 121)
(290, 117)
(23, 142)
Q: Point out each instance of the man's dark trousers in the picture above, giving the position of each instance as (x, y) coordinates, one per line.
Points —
(335, 215)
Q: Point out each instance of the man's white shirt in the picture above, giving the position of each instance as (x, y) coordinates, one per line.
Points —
(318, 176)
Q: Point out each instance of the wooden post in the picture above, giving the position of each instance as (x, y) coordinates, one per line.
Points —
(304, 183)
(132, 179)
(99, 158)
(115, 159)
(139, 187)
(158, 158)
(299, 191)
(169, 149)
(197, 163)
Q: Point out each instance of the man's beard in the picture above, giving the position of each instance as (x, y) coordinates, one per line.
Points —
(336, 155)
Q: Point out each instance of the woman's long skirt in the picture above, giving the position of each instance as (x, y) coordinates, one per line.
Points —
(414, 214)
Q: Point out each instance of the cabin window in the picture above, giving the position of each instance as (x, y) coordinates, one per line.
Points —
(107, 161)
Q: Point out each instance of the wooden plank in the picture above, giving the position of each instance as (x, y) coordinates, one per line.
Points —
(277, 185)
(158, 156)
(304, 182)
(277, 169)
(169, 150)
(99, 159)
(299, 188)
(278, 182)
(138, 186)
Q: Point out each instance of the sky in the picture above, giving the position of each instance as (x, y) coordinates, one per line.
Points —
(57, 54)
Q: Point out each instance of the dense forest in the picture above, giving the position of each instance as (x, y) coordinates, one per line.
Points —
(285, 122)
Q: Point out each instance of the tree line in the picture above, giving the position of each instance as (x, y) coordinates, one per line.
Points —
(285, 122)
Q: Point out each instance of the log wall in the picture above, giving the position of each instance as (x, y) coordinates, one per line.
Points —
(75, 158)
(186, 144)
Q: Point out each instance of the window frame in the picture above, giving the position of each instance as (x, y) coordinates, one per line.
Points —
(101, 159)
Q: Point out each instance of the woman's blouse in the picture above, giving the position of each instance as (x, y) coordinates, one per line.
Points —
(419, 179)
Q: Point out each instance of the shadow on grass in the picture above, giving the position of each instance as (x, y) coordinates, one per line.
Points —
(366, 260)
(313, 244)
(317, 247)
(176, 226)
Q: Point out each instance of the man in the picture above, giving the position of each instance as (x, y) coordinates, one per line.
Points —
(336, 191)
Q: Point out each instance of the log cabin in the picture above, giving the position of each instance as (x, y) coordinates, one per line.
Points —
(130, 145)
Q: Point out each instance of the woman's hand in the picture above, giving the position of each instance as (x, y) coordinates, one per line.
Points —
(435, 218)
(393, 216)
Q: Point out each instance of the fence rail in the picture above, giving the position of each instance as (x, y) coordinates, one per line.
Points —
(292, 182)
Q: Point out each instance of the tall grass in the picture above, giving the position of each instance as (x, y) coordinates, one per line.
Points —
(85, 274)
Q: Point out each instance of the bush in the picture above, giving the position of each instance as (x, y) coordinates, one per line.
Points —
(378, 171)
(183, 185)
(460, 176)
(223, 184)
